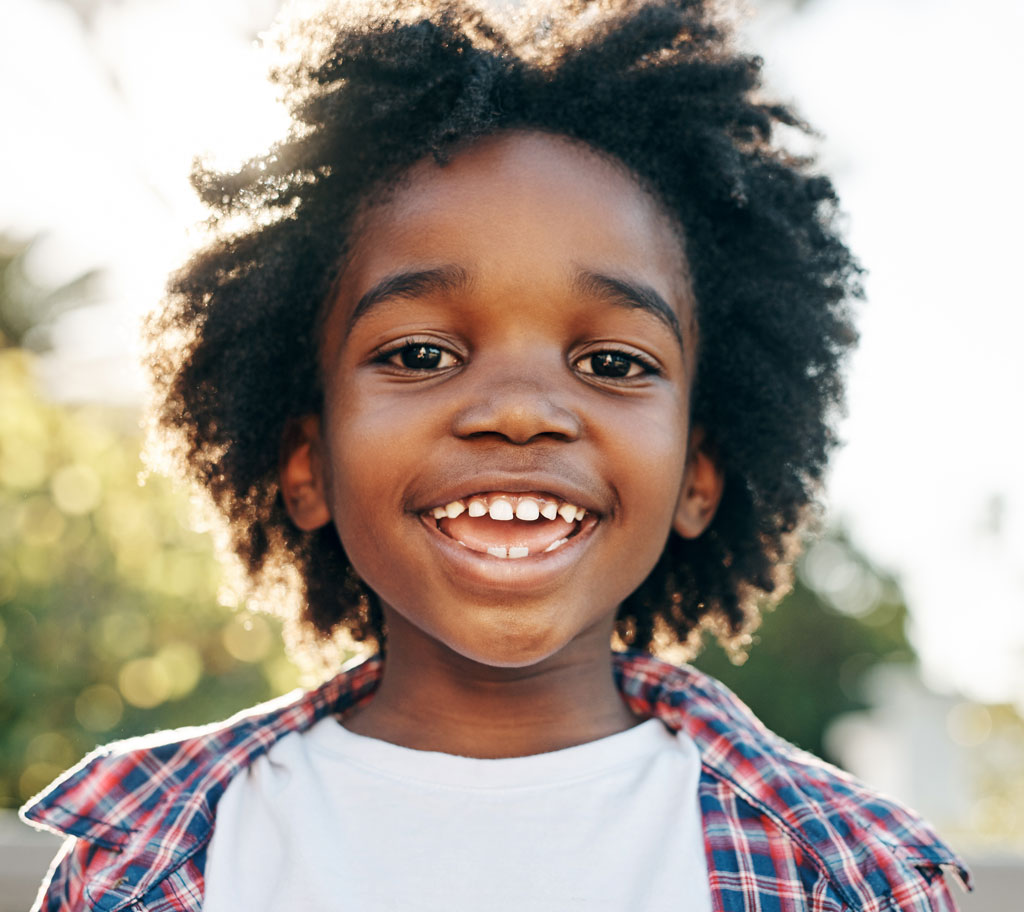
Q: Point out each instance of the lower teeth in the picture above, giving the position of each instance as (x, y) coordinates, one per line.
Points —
(516, 551)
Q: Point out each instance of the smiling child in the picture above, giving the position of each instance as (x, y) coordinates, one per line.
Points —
(529, 343)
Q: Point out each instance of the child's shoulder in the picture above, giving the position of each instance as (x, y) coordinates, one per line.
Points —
(758, 793)
(117, 789)
(755, 782)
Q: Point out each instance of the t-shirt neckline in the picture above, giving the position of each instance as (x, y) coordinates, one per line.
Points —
(581, 761)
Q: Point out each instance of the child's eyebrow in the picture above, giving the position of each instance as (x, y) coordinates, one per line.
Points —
(631, 294)
(614, 290)
(409, 284)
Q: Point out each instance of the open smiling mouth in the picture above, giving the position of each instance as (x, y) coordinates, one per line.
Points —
(511, 526)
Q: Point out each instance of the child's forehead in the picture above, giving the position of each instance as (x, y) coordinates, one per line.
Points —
(522, 207)
(522, 171)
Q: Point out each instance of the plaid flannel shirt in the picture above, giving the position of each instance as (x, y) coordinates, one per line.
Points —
(783, 831)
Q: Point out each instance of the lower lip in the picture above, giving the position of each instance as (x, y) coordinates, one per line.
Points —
(511, 573)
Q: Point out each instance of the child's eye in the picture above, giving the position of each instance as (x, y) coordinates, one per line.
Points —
(419, 356)
(614, 365)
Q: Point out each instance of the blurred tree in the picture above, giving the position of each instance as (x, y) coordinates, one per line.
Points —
(109, 618)
(804, 667)
(26, 308)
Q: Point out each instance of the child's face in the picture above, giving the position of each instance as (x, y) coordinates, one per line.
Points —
(517, 322)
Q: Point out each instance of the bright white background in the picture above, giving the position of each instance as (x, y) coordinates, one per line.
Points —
(105, 104)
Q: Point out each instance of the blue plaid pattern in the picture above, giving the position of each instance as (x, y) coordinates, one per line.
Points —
(783, 831)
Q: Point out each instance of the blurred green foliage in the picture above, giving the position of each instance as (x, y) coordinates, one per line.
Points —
(994, 738)
(109, 619)
(811, 653)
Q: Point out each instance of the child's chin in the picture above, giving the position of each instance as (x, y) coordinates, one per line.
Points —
(514, 646)
(509, 658)
(502, 633)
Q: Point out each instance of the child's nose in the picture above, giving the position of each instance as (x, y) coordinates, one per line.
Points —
(519, 409)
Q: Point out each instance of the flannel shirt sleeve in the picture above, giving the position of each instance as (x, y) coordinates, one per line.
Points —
(928, 892)
(940, 896)
(63, 885)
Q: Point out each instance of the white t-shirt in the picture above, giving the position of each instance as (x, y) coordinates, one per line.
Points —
(329, 819)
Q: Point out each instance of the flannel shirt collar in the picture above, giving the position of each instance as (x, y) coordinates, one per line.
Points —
(868, 845)
(153, 799)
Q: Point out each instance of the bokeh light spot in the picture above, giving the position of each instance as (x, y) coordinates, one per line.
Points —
(39, 522)
(183, 667)
(829, 569)
(281, 674)
(122, 634)
(247, 638)
(23, 466)
(76, 490)
(8, 581)
(99, 708)
(36, 776)
(176, 572)
(969, 724)
(39, 565)
(51, 747)
(992, 814)
(144, 683)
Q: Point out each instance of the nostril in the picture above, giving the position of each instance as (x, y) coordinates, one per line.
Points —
(520, 439)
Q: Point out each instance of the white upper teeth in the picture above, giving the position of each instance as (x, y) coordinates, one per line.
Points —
(527, 509)
(501, 509)
(504, 507)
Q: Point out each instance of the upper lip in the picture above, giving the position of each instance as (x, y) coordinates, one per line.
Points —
(511, 483)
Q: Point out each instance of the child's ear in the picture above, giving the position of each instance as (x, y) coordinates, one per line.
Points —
(301, 474)
(703, 482)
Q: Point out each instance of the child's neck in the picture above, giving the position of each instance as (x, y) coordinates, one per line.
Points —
(432, 698)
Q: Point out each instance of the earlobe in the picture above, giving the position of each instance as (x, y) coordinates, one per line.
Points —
(703, 483)
(301, 474)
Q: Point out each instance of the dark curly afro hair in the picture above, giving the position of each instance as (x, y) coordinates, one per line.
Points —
(658, 86)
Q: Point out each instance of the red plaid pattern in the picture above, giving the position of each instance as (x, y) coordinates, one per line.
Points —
(784, 831)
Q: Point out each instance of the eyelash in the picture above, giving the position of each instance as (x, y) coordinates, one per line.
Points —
(387, 355)
(646, 365)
